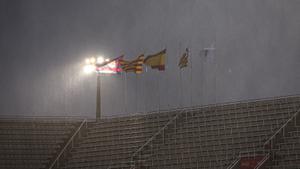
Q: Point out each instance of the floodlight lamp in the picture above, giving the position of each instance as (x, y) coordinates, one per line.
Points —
(100, 60)
(92, 60)
(88, 69)
(87, 61)
(107, 60)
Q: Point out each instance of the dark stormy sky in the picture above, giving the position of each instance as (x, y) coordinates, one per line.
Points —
(44, 43)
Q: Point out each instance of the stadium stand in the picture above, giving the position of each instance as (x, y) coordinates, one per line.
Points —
(206, 137)
(212, 136)
(32, 143)
(244, 135)
(281, 150)
(111, 142)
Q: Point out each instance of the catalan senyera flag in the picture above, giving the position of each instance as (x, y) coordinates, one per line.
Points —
(183, 62)
(135, 65)
(156, 61)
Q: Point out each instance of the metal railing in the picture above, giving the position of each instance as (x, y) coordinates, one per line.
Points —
(282, 127)
(16, 118)
(69, 143)
(196, 107)
(267, 156)
(262, 162)
(237, 160)
(153, 137)
(234, 163)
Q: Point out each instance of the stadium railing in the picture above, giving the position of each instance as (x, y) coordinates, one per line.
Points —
(68, 145)
(267, 146)
(153, 137)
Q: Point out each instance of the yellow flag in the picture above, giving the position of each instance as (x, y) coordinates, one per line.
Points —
(156, 61)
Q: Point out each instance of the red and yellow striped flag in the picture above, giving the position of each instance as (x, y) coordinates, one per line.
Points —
(135, 65)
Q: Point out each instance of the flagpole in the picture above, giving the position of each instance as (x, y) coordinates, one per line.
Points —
(201, 78)
(145, 98)
(143, 107)
(167, 84)
(123, 91)
(191, 78)
(143, 84)
(216, 73)
(181, 89)
(136, 92)
(215, 85)
(145, 93)
(180, 77)
(158, 91)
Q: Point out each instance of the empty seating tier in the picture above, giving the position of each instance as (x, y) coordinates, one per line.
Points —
(112, 141)
(213, 137)
(31, 144)
(205, 137)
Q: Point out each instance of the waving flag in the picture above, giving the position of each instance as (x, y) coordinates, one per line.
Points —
(183, 62)
(135, 65)
(156, 61)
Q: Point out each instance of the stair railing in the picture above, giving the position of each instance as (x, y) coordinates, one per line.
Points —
(161, 130)
(282, 128)
(234, 163)
(262, 162)
(70, 143)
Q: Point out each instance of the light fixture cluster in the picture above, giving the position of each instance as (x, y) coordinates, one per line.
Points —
(97, 64)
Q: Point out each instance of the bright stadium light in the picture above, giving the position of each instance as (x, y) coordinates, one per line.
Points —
(87, 61)
(107, 60)
(92, 60)
(100, 60)
(88, 69)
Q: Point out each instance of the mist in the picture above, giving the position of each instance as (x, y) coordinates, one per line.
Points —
(43, 45)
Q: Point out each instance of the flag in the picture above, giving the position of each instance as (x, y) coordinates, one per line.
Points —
(109, 61)
(183, 62)
(135, 65)
(156, 61)
(109, 66)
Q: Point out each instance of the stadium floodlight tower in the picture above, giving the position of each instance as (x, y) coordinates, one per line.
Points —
(98, 66)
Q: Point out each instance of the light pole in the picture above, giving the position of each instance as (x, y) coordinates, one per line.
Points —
(98, 100)
(95, 65)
